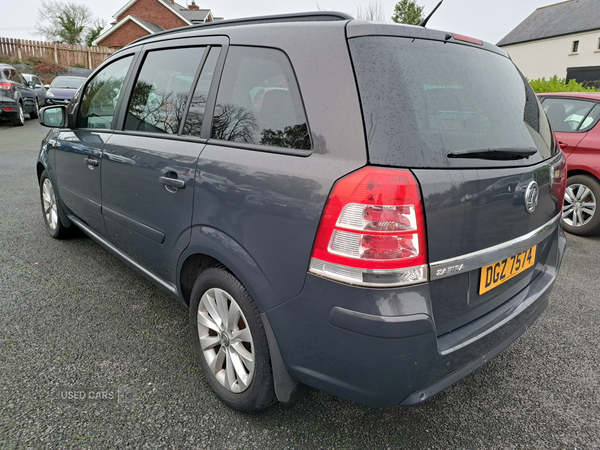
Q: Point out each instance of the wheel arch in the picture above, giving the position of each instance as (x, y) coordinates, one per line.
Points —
(40, 167)
(210, 247)
(574, 172)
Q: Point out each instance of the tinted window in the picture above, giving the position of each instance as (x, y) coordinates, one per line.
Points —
(425, 99)
(162, 89)
(259, 101)
(102, 94)
(195, 116)
(569, 115)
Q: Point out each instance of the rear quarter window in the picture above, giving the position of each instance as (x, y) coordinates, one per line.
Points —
(425, 99)
(259, 101)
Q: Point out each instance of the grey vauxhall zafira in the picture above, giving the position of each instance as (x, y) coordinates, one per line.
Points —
(372, 210)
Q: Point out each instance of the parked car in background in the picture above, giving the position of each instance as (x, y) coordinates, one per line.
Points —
(36, 86)
(286, 178)
(62, 89)
(16, 98)
(574, 118)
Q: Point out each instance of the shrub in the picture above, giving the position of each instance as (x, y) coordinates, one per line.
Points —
(48, 67)
(556, 84)
(78, 66)
(33, 60)
(6, 59)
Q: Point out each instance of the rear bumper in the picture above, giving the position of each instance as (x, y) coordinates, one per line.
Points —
(8, 107)
(380, 347)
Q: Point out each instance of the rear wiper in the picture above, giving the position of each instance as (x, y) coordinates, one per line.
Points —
(495, 153)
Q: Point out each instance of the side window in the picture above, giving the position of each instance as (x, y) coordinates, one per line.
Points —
(102, 94)
(591, 120)
(195, 116)
(566, 115)
(19, 78)
(161, 90)
(259, 101)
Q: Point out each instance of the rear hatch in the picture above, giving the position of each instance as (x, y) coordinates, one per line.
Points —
(467, 124)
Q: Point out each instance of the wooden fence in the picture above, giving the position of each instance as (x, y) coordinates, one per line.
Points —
(63, 54)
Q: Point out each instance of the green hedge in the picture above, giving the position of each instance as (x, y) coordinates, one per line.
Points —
(556, 84)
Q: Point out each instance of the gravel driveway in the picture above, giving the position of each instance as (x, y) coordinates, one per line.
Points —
(77, 323)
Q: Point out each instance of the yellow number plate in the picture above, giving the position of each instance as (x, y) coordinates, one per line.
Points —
(496, 274)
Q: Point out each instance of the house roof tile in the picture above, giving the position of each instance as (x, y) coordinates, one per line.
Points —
(572, 16)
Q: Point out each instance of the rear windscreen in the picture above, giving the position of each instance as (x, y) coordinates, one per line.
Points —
(423, 100)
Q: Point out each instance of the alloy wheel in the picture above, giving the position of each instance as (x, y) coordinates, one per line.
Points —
(49, 204)
(579, 206)
(226, 340)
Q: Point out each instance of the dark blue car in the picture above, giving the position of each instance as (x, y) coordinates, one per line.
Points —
(310, 187)
(62, 89)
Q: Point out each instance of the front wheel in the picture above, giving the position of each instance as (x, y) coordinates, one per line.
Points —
(50, 209)
(580, 209)
(230, 341)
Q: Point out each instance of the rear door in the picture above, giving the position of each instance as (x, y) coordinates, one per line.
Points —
(149, 165)
(472, 131)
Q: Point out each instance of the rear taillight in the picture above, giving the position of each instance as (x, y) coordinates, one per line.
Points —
(558, 182)
(372, 231)
(6, 86)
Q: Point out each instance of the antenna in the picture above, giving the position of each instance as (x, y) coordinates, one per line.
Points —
(422, 24)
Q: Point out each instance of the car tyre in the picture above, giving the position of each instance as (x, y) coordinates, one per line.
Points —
(230, 341)
(51, 209)
(19, 120)
(580, 209)
(36, 110)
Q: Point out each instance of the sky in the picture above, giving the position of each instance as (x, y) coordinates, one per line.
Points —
(489, 20)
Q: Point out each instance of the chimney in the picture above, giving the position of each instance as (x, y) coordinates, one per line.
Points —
(193, 5)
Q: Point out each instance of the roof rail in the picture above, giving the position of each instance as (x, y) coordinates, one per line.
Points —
(316, 16)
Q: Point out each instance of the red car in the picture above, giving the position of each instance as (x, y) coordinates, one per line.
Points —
(574, 118)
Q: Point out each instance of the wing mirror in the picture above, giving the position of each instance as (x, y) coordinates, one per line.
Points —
(53, 116)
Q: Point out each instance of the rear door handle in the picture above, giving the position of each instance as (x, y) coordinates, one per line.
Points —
(172, 182)
(91, 162)
(562, 144)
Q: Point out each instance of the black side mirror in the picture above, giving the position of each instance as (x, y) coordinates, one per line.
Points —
(53, 116)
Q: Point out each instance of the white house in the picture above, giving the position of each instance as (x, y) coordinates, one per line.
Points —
(561, 39)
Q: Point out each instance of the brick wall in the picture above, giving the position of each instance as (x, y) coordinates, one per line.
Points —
(124, 35)
(155, 12)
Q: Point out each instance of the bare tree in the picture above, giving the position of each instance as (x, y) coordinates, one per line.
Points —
(66, 22)
(372, 12)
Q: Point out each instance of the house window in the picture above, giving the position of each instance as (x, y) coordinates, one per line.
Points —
(598, 47)
(575, 47)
